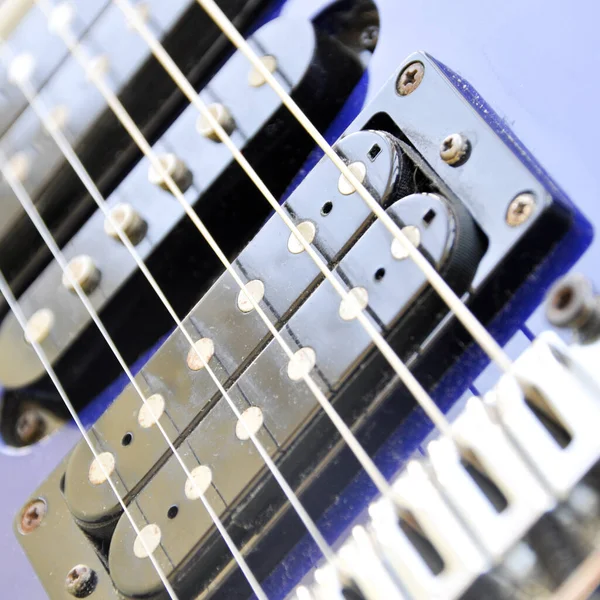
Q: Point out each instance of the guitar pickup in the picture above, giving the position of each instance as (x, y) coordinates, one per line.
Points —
(459, 214)
(224, 197)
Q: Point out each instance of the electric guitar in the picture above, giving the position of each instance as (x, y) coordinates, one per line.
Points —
(298, 300)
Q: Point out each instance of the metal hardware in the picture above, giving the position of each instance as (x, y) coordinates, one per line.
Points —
(203, 347)
(223, 117)
(81, 581)
(455, 150)
(32, 516)
(39, 326)
(174, 167)
(520, 209)
(83, 270)
(410, 78)
(413, 234)
(308, 232)
(572, 303)
(102, 468)
(130, 222)
(255, 77)
(369, 37)
(256, 289)
(30, 426)
(359, 170)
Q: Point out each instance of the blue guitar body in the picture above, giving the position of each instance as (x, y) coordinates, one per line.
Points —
(529, 70)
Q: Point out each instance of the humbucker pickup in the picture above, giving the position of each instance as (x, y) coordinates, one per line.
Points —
(223, 196)
(454, 211)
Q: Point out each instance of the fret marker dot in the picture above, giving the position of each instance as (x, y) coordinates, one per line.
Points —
(151, 411)
(199, 482)
(354, 303)
(414, 237)
(308, 231)
(302, 363)
(255, 77)
(147, 541)
(256, 289)
(39, 326)
(359, 171)
(250, 422)
(82, 270)
(203, 347)
(221, 115)
(101, 468)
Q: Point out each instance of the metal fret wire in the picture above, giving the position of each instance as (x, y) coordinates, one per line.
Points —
(456, 305)
(30, 209)
(71, 156)
(16, 309)
(365, 460)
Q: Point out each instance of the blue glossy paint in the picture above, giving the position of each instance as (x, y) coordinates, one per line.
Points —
(544, 91)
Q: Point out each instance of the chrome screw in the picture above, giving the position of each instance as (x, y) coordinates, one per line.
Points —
(410, 78)
(30, 426)
(520, 209)
(81, 581)
(455, 149)
(32, 516)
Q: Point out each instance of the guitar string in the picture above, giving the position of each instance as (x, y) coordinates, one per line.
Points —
(41, 227)
(134, 131)
(301, 239)
(424, 399)
(21, 319)
(444, 429)
(68, 151)
(456, 305)
(426, 402)
(477, 330)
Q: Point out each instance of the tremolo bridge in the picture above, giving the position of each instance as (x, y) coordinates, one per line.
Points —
(449, 181)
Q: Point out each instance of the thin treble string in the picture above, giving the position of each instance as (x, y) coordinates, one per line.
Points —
(460, 310)
(22, 320)
(42, 111)
(456, 305)
(405, 375)
(35, 217)
(135, 133)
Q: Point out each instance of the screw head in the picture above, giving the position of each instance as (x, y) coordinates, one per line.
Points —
(520, 209)
(30, 426)
(410, 78)
(455, 149)
(570, 301)
(81, 581)
(32, 515)
(369, 37)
